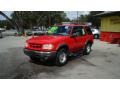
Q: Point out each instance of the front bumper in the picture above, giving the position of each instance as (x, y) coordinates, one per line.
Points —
(40, 54)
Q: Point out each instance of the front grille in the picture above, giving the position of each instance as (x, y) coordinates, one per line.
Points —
(32, 45)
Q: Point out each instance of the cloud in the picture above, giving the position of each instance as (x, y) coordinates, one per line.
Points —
(73, 14)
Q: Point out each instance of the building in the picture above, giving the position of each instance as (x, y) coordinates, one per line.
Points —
(110, 26)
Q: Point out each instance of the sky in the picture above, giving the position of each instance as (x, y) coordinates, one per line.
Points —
(73, 14)
(8, 13)
(70, 14)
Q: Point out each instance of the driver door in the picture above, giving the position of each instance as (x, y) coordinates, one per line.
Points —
(76, 39)
(80, 37)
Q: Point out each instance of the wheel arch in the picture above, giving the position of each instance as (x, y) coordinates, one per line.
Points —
(89, 41)
(63, 46)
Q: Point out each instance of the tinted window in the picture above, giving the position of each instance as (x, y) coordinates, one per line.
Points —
(78, 30)
(88, 30)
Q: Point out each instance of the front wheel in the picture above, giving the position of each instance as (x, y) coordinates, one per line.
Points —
(87, 49)
(61, 57)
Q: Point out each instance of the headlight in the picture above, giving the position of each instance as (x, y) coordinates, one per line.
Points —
(26, 44)
(47, 46)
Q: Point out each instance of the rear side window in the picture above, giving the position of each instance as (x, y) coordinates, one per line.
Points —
(88, 30)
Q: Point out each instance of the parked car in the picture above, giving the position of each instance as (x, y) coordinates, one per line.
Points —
(28, 33)
(59, 43)
(96, 33)
(2, 29)
(35, 32)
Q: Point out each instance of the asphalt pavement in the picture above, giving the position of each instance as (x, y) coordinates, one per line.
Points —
(102, 63)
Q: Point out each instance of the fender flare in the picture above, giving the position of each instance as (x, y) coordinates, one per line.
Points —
(88, 41)
(62, 45)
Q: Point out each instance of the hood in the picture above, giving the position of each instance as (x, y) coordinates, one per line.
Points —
(45, 39)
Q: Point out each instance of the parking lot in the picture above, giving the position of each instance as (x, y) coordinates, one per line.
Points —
(102, 63)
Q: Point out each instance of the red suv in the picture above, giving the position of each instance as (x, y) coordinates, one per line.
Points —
(60, 42)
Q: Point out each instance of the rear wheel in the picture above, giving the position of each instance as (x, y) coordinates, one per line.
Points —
(87, 49)
(96, 36)
(61, 57)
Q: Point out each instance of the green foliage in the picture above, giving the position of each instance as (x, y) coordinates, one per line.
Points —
(28, 19)
(21, 20)
(89, 18)
(83, 18)
(5, 24)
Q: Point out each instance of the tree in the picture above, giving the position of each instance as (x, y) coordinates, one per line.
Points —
(89, 18)
(5, 24)
(29, 19)
(95, 20)
(23, 19)
(83, 18)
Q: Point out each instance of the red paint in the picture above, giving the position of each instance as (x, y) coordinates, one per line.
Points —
(109, 36)
(73, 43)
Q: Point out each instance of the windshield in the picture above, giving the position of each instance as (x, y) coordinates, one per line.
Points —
(59, 30)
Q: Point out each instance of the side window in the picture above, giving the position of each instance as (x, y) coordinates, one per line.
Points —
(79, 31)
(88, 30)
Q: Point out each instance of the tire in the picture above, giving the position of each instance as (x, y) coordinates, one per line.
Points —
(87, 49)
(61, 57)
(96, 36)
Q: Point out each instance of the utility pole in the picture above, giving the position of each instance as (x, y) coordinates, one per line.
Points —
(77, 18)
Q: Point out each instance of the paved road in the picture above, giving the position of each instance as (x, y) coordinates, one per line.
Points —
(103, 62)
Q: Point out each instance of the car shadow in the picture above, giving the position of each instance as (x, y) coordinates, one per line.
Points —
(51, 62)
(45, 63)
